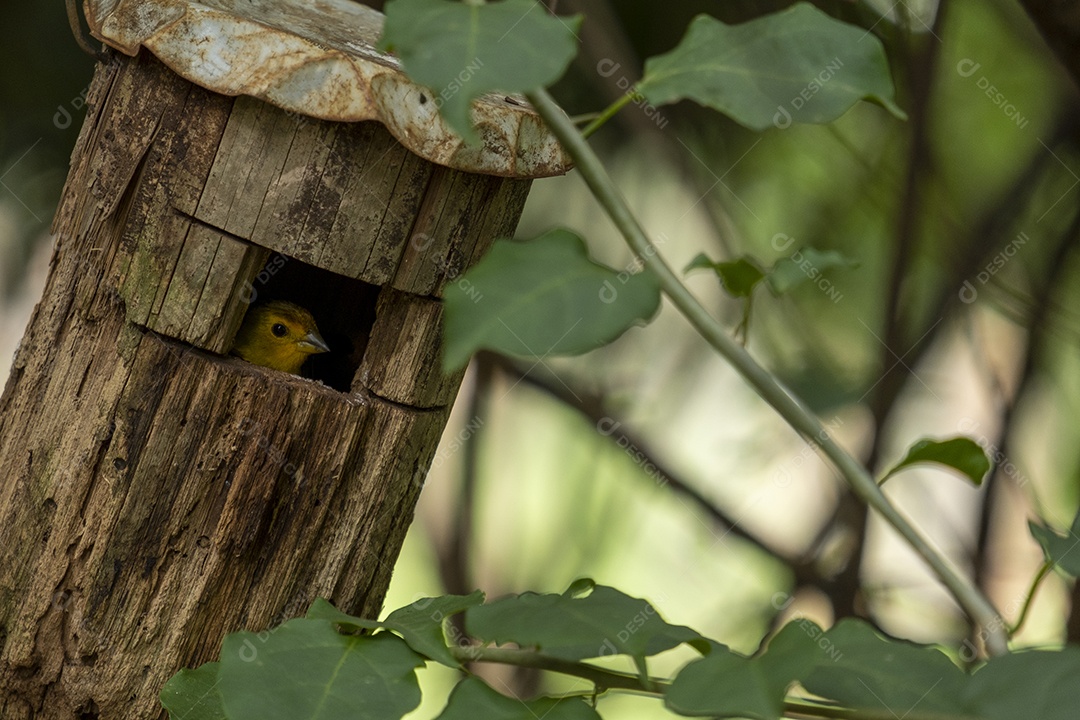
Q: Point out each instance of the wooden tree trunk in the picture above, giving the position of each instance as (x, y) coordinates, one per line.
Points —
(156, 494)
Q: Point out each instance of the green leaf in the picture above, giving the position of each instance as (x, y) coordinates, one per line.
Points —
(473, 699)
(543, 297)
(1062, 551)
(321, 609)
(193, 694)
(306, 670)
(961, 454)
(802, 265)
(463, 50)
(726, 684)
(701, 261)
(574, 627)
(739, 277)
(421, 624)
(580, 587)
(1027, 685)
(799, 65)
(861, 669)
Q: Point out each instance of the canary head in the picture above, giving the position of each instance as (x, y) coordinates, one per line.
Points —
(278, 335)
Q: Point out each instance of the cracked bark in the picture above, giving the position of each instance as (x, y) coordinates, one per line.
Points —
(156, 494)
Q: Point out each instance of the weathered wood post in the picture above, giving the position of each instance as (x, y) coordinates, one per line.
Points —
(156, 494)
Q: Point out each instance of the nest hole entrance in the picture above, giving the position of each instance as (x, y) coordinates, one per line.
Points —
(343, 308)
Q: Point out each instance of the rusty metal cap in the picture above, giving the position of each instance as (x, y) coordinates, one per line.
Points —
(319, 58)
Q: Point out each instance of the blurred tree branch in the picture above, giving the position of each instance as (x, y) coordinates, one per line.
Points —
(454, 562)
(978, 245)
(1058, 22)
(591, 407)
(922, 55)
(902, 321)
(1038, 321)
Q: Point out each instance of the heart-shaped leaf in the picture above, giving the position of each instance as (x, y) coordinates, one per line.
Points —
(862, 669)
(725, 684)
(573, 626)
(473, 698)
(1038, 684)
(306, 670)
(1062, 551)
(420, 623)
(961, 454)
(193, 694)
(804, 265)
(739, 277)
(543, 297)
(799, 65)
(463, 50)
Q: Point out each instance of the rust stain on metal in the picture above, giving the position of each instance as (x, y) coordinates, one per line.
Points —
(319, 58)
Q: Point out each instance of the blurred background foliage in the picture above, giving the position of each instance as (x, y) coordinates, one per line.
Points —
(648, 464)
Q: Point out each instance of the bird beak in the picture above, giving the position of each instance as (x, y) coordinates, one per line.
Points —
(314, 340)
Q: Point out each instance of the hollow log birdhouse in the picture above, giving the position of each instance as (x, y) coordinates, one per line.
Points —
(157, 493)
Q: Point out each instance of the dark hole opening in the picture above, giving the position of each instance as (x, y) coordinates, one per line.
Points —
(88, 711)
(343, 308)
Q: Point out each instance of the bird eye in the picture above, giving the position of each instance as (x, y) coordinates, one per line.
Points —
(279, 330)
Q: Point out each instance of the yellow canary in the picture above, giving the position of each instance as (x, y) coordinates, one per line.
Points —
(278, 335)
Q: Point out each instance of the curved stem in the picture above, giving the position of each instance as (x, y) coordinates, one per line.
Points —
(802, 709)
(789, 407)
(603, 679)
(584, 118)
(612, 680)
(608, 113)
(1043, 572)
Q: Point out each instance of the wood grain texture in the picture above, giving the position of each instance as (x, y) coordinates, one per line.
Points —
(349, 199)
(156, 494)
(401, 363)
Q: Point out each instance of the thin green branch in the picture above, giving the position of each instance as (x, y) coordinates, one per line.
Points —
(977, 606)
(584, 118)
(803, 709)
(1039, 577)
(609, 112)
(603, 679)
(613, 680)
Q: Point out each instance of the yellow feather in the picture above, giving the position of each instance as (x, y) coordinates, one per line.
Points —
(279, 335)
